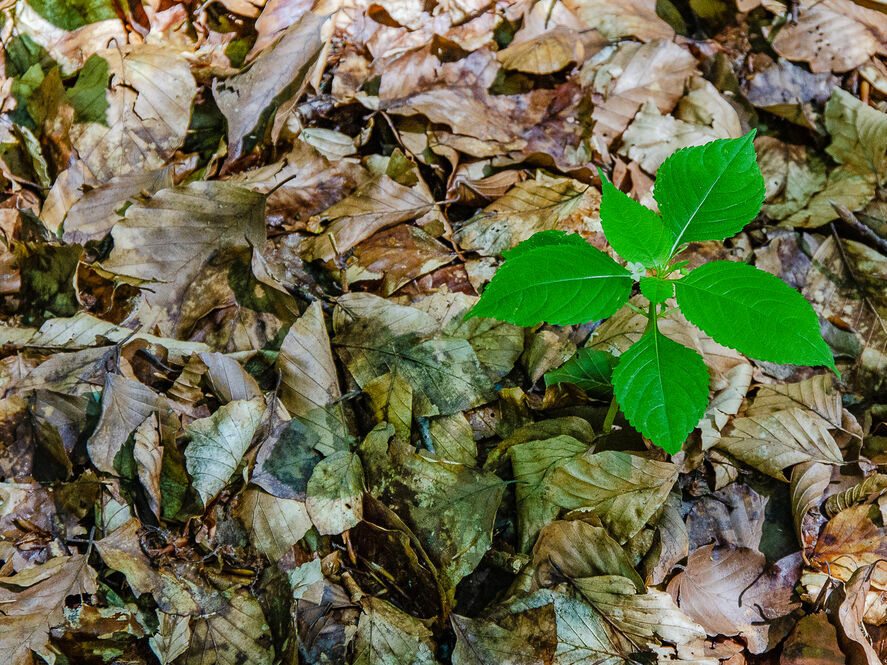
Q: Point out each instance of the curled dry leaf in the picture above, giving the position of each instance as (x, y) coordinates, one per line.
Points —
(625, 18)
(376, 205)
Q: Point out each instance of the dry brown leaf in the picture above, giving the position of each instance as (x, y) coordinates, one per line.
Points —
(850, 541)
(33, 603)
(578, 549)
(775, 441)
(632, 75)
(710, 590)
(543, 203)
(396, 256)
(126, 404)
(274, 525)
(832, 35)
(625, 18)
(244, 97)
(376, 205)
(731, 517)
(149, 98)
(149, 244)
(545, 54)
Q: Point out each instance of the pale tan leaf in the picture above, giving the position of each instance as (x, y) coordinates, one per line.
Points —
(623, 490)
(149, 98)
(642, 616)
(84, 330)
(652, 137)
(859, 134)
(626, 18)
(95, 212)
(274, 525)
(218, 443)
(636, 73)
(227, 378)
(148, 455)
(831, 35)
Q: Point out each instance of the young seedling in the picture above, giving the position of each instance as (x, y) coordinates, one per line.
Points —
(708, 192)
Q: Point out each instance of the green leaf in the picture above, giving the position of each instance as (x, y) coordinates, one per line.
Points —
(753, 312)
(560, 284)
(218, 444)
(87, 96)
(710, 192)
(633, 230)
(544, 239)
(656, 289)
(589, 369)
(662, 388)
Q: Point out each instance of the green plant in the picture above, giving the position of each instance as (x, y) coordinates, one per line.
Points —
(708, 192)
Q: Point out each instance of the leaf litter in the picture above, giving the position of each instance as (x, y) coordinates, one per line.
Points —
(243, 418)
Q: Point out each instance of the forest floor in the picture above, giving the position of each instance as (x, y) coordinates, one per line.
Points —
(243, 418)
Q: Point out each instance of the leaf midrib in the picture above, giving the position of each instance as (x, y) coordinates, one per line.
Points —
(678, 238)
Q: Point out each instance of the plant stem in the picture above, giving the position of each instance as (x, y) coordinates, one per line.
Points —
(611, 416)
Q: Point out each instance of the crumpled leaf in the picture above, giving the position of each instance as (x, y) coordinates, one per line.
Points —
(480, 642)
(218, 443)
(275, 76)
(444, 372)
(33, 602)
(149, 245)
(541, 204)
(125, 406)
(578, 549)
(149, 108)
(634, 74)
(376, 205)
(623, 490)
